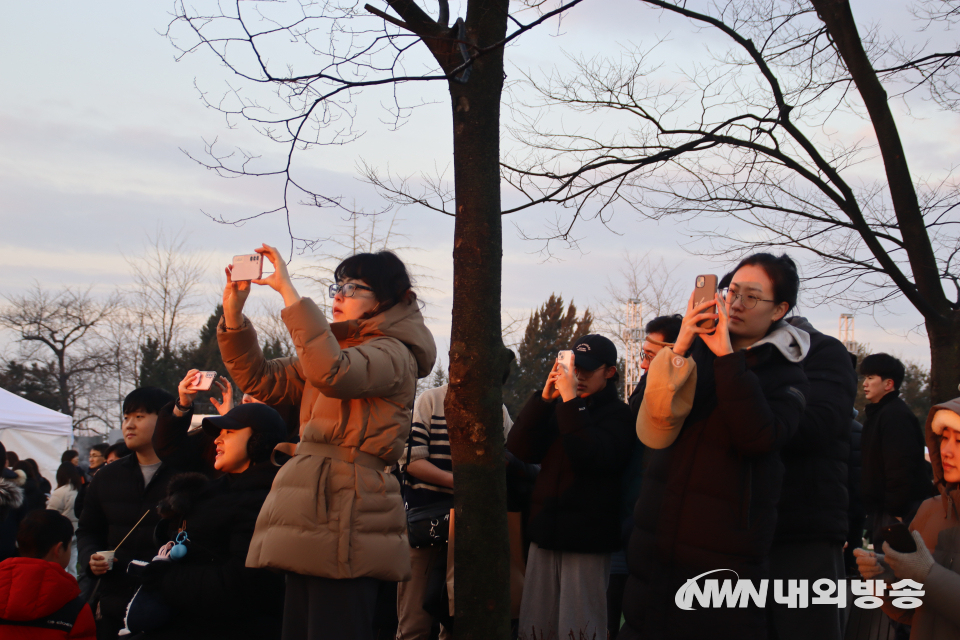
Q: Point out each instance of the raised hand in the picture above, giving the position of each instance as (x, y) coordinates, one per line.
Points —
(550, 390)
(186, 390)
(226, 390)
(235, 295)
(688, 328)
(279, 280)
(719, 340)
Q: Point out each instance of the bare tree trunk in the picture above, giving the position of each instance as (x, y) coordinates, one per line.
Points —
(478, 357)
(944, 358)
(63, 381)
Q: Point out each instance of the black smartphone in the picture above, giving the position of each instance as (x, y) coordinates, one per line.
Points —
(899, 538)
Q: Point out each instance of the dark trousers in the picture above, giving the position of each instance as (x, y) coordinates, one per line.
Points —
(327, 609)
(809, 561)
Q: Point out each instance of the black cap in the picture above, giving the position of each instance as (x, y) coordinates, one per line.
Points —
(266, 423)
(593, 351)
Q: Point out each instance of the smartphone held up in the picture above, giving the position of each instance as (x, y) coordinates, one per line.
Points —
(706, 289)
(247, 267)
(204, 380)
(565, 358)
(898, 537)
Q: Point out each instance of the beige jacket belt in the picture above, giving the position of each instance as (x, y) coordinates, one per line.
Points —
(347, 454)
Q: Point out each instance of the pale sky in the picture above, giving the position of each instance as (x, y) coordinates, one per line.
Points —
(94, 111)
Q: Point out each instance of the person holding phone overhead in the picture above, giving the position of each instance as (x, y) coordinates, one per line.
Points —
(334, 520)
(717, 407)
(935, 532)
(579, 431)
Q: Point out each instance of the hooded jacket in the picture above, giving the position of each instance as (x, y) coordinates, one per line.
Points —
(582, 447)
(33, 589)
(708, 501)
(355, 382)
(11, 512)
(814, 499)
(213, 594)
(938, 618)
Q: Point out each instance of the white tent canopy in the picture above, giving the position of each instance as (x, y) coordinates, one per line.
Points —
(34, 432)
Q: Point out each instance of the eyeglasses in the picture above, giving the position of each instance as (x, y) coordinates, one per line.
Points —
(749, 301)
(347, 289)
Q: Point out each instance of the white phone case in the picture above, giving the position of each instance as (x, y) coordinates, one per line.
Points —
(248, 267)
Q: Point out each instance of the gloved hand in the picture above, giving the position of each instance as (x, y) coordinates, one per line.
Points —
(910, 566)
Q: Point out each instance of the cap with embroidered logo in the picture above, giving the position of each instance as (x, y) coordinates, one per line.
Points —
(593, 351)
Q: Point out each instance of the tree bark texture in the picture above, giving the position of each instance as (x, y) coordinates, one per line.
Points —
(477, 356)
(944, 357)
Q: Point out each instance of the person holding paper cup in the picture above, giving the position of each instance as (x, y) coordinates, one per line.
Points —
(119, 511)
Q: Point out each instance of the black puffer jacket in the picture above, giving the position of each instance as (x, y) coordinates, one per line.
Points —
(582, 447)
(814, 499)
(894, 479)
(855, 513)
(177, 445)
(213, 594)
(11, 512)
(116, 500)
(708, 501)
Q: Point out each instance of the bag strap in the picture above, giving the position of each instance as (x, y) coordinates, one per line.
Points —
(403, 472)
(62, 619)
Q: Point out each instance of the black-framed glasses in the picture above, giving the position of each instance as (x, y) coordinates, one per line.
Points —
(748, 300)
(347, 289)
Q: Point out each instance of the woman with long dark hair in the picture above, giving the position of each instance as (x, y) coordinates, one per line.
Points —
(63, 500)
(334, 521)
(716, 410)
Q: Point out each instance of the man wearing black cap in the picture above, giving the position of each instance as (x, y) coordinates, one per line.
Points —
(582, 435)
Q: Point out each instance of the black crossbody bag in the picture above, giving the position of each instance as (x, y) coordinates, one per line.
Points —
(427, 526)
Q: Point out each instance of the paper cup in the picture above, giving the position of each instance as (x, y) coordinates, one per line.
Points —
(108, 556)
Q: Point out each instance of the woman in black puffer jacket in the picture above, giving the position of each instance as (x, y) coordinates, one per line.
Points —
(716, 411)
(209, 592)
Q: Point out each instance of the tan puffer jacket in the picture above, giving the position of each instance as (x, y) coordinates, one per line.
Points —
(937, 521)
(326, 515)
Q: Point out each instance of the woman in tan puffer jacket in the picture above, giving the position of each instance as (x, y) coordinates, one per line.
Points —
(334, 520)
(936, 530)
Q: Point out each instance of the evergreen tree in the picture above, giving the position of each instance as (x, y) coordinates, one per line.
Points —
(549, 330)
(439, 375)
(160, 368)
(37, 382)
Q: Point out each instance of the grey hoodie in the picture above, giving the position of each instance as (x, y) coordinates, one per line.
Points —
(791, 341)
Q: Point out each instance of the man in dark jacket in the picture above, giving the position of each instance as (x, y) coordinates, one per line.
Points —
(812, 520)
(894, 480)
(581, 434)
(121, 500)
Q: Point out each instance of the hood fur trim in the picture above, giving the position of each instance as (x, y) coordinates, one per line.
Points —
(11, 496)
